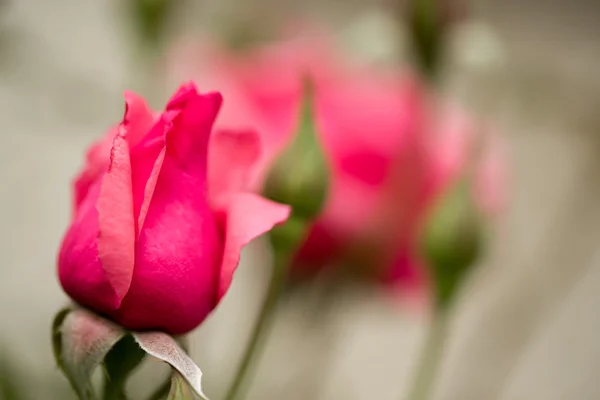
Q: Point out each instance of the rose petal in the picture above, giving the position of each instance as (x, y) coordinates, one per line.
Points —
(248, 216)
(137, 121)
(230, 158)
(146, 162)
(80, 271)
(96, 161)
(193, 126)
(138, 118)
(186, 92)
(116, 223)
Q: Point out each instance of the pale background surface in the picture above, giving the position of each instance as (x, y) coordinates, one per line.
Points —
(530, 327)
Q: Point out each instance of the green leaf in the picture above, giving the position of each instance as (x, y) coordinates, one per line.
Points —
(165, 348)
(180, 390)
(81, 341)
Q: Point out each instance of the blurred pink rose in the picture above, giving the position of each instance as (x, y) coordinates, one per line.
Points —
(392, 149)
(160, 218)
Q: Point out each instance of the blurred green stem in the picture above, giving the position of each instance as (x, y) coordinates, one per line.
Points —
(162, 392)
(113, 392)
(262, 325)
(430, 357)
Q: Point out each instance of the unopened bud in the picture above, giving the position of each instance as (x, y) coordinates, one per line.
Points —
(429, 23)
(299, 177)
(452, 240)
(151, 18)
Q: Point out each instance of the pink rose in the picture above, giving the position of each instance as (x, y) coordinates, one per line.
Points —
(392, 150)
(161, 215)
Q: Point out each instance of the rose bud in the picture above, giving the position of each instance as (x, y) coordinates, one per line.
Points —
(299, 176)
(161, 215)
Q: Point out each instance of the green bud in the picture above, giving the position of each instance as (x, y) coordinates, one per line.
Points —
(452, 240)
(299, 177)
(429, 22)
(151, 18)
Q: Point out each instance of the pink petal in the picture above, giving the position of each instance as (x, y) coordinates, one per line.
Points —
(96, 161)
(137, 121)
(79, 269)
(191, 132)
(116, 223)
(146, 162)
(230, 158)
(138, 118)
(248, 216)
(184, 93)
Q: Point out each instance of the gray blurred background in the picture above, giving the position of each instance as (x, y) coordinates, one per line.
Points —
(527, 326)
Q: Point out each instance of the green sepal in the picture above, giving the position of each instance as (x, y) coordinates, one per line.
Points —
(119, 363)
(81, 340)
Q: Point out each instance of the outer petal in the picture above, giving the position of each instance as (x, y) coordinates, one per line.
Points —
(194, 126)
(248, 216)
(116, 237)
(138, 118)
(230, 160)
(137, 121)
(97, 159)
(79, 269)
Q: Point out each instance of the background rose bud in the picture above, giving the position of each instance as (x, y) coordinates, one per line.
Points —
(429, 22)
(150, 19)
(452, 240)
(392, 146)
(300, 175)
(161, 215)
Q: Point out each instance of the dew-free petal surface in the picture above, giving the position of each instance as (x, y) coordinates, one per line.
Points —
(248, 216)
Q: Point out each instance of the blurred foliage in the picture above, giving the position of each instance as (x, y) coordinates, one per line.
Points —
(151, 19)
(11, 381)
(429, 22)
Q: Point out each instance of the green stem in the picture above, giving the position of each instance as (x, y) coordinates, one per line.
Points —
(162, 392)
(113, 391)
(262, 325)
(430, 357)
